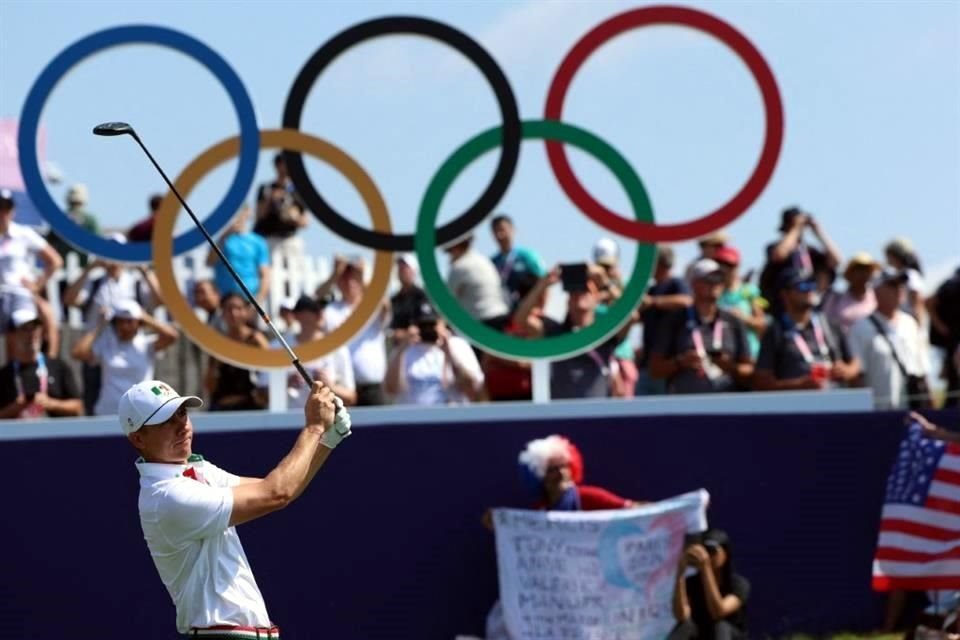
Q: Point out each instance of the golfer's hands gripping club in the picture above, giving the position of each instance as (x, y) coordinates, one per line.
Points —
(325, 411)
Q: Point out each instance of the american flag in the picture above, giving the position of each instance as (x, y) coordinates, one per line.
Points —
(919, 544)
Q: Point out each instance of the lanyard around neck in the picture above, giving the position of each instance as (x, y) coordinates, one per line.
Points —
(804, 348)
(697, 336)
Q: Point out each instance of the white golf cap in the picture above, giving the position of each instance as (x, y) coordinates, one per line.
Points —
(129, 309)
(288, 303)
(606, 252)
(151, 402)
(77, 194)
(23, 316)
(705, 268)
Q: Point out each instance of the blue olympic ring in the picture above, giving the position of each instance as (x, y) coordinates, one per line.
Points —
(61, 223)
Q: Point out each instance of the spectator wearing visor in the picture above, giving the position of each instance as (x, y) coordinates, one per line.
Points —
(702, 348)
(33, 385)
(891, 348)
(432, 366)
(799, 349)
(741, 299)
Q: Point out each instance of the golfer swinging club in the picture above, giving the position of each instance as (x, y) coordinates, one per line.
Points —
(189, 507)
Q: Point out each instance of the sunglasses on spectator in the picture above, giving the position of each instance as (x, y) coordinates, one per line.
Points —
(805, 287)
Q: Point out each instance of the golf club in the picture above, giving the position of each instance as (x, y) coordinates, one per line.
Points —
(122, 128)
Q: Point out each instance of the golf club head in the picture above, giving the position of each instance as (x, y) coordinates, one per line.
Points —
(113, 129)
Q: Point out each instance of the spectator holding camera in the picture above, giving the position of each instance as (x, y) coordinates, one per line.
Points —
(33, 385)
(281, 212)
(799, 349)
(431, 366)
(792, 251)
(702, 348)
(123, 350)
(588, 375)
(709, 603)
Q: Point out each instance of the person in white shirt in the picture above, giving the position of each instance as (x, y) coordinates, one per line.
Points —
(123, 350)
(433, 367)
(886, 336)
(475, 282)
(368, 349)
(334, 370)
(20, 287)
(190, 508)
(97, 296)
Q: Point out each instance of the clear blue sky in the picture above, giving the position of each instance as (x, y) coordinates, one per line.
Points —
(870, 89)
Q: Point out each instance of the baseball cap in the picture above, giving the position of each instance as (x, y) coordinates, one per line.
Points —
(408, 259)
(307, 303)
(786, 219)
(128, 309)
(794, 278)
(727, 255)
(706, 269)
(606, 252)
(6, 199)
(78, 194)
(151, 402)
(715, 539)
(425, 313)
(889, 276)
(288, 304)
(24, 316)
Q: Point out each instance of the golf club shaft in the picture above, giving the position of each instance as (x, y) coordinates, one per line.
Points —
(256, 305)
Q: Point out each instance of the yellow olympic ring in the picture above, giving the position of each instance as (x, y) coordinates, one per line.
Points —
(209, 338)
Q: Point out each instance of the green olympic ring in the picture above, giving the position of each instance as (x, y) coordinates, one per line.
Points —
(501, 344)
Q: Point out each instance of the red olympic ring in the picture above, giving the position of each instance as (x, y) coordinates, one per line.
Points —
(773, 133)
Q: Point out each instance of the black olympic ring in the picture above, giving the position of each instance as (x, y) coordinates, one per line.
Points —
(509, 148)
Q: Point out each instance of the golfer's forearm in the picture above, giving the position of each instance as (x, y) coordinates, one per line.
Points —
(288, 480)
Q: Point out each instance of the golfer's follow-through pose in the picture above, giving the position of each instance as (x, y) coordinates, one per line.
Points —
(189, 507)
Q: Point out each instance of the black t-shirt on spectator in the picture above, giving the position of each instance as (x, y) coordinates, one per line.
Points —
(700, 614)
(61, 384)
(796, 260)
(651, 318)
(948, 308)
(780, 353)
(675, 335)
(273, 225)
(405, 305)
(584, 376)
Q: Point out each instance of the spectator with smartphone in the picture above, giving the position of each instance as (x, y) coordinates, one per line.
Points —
(792, 251)
(702, 348)
(513, 263)
(588, 375)
(800, 350)
(33, 385)
(709, 598)
(431, 366)
(667, 293)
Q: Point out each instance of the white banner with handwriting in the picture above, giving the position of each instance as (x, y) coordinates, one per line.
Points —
(593, 575)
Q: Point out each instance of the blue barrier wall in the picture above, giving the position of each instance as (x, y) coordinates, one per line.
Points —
(387, 543)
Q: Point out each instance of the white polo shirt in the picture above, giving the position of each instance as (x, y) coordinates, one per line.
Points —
(199, 557)
(880, 370)
(18, 252)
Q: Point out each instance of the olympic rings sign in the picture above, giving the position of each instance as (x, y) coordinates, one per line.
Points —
(507, 137)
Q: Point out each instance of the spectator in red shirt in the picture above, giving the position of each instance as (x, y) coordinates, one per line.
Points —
(142, 231)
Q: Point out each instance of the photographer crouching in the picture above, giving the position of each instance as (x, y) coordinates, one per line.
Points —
(711, 601)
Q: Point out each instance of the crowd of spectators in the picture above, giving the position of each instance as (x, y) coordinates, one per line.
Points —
(708, 328)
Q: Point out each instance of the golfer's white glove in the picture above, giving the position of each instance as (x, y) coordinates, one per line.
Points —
(340, 429)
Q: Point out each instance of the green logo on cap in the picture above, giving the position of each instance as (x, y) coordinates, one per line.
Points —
(156, 391)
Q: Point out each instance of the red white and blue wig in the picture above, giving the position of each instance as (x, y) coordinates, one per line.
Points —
(536, 457)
